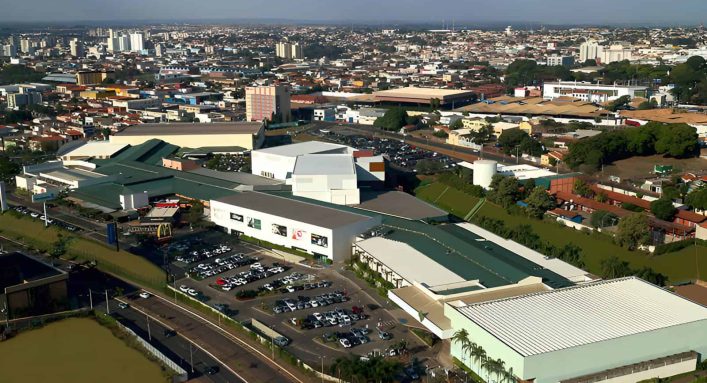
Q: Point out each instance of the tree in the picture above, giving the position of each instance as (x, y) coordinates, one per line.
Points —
(512, 138)
(698, 198)
(619, 103)
(539, 202)
(650, 275)
(457, 124)
(633, 231)
(195, 213)
(613, 267)
(478, 355)
(677, 140)
(580, 187)
(603, 218)
(392, 120)
(8, 168)
(663, 209)
(506, 193)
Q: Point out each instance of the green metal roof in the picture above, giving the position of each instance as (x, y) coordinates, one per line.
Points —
(468, 255)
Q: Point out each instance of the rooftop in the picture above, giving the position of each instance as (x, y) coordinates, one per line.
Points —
(183, 128)
(582, 314)
(17, 268)
(399, 204)
(408, 262)
(301, 211)
(426, 93)
(301, 148)
(325, 164)
(96, 149)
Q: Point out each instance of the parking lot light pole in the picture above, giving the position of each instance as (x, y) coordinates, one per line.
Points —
(90, 298)
(191, 358)
(322, 372)
(107, 307)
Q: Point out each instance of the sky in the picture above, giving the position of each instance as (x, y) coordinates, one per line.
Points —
(562, 12)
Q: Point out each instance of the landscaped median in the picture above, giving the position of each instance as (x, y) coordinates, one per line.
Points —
(32, 233)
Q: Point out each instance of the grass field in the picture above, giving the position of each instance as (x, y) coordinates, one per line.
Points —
(678, 266)
(55, 353)
(33, 232)
(640, 167)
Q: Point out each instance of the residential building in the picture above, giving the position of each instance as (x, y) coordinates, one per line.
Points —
(289, 51)
(566, 61)
(76, 48)
(589, 50)
(267, 103)
(15, 100)
(137, 43)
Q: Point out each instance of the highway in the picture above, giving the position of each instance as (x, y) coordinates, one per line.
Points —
(171, 343)
(242, 359)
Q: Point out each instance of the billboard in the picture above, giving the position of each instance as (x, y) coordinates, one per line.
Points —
(279, 230)
(41, 197)
(112, 233)
(320, 240)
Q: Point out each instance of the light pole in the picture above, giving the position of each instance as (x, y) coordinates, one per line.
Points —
(191, 358)
(149, 333)
(322, 372)
(107, 307)
(90, 298)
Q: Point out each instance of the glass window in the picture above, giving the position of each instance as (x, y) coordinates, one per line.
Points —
(236, 217)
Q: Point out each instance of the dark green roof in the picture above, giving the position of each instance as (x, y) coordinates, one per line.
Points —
(139, 169)
(457, 249)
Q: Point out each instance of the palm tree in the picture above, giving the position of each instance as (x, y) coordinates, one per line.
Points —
(499, 369)
(479, 356)
(468, 348)
(488, 365)
(461, 336)
(510, 376)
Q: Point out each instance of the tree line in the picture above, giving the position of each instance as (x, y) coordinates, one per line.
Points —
(675, 140)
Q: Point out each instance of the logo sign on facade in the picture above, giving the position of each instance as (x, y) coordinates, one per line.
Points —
(297, 234)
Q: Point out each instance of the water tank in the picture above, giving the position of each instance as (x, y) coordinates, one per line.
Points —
(484, 170)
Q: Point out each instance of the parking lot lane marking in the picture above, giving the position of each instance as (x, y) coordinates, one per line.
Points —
(231, 336)
(136, 308)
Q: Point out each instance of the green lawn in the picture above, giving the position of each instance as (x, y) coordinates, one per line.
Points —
(678, 266)
(74, 350)
(33, 232)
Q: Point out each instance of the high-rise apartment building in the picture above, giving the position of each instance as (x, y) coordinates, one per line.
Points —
(76, 48)
(25, 45)
(137, 43)
(589, 50)
(267, 103)
(289, 51)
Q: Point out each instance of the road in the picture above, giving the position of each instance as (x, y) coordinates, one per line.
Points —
(251, 364)
(176, 347)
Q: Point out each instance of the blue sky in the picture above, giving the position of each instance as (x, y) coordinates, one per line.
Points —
(368, 11)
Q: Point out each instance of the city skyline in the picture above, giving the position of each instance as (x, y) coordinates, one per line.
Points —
(551, 12)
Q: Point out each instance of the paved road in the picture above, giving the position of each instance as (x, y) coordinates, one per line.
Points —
(178, 348)
(251, 364)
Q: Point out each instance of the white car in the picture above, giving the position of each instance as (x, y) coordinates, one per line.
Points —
(184, 288)
(145, 295)
(318, 316)
(34, 215)
(192, 292)
(345, 342)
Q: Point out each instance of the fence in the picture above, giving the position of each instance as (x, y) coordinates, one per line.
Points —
(182, 375)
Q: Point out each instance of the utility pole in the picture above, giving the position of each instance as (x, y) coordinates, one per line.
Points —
(46, 218)
(107, 306)
(90, 298)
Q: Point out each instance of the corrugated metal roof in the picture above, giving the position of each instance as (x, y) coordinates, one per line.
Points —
(575, 316)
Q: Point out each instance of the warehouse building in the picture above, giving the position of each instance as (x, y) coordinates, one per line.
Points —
(313, 228)
(621, 330)
(424, 96)
(246, 135)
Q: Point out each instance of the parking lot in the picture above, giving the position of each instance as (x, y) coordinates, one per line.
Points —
(399, 153)
(320, 312)
(41, 217)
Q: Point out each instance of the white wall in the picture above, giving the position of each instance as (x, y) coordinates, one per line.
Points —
(279, 167)
(339, 240)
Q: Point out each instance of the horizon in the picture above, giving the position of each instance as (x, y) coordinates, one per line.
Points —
(403, 12)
